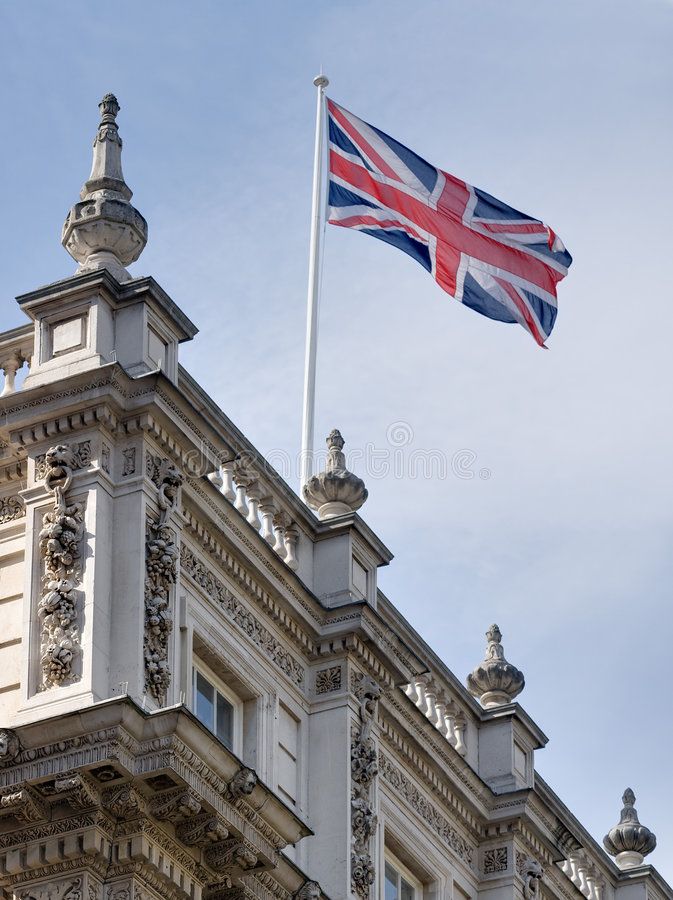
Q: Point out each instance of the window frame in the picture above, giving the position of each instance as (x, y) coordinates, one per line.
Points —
(222, 688)
(404, 872)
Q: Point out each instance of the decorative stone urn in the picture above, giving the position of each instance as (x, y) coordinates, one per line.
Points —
(629, 842)
(103, 230)
(495, 681)
(336, 491)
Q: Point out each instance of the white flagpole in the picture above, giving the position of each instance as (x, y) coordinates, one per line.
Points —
(314, 270)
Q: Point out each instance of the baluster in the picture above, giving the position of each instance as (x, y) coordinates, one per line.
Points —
(10, 367)
(431, 699)
(422, 703)
(254, 495)
(411, 692)
(460, 734)
(228, 481)
(280, 522)
(242, 483)
(268, 509)
(215, 478)
(591, 885)
(291, 539)
(440, 706)
(450, 719)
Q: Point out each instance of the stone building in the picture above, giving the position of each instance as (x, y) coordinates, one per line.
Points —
(203, 693)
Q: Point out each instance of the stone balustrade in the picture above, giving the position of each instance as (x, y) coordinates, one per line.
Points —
(253, 499)
(584, 875)
(16, 349)
(439, 709)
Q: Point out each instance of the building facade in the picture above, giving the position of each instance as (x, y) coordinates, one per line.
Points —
(203, 693)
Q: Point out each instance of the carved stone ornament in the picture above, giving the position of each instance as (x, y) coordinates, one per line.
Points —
(129, 461)
(201, 831)
(11, 508)
(124, 802)
(336, 491)
(161, 558)
(242, 784)
(60, 538)
(495, 860)
(68, 889)
(77, 790)
(9, 747)
(81, 458)
(629, 841)
(175, 806)
(531, 872)
(364, 768)
(328, 680)
(495, 681)
(310, 890)
(230, 854)
(103, 230)
(22, 804)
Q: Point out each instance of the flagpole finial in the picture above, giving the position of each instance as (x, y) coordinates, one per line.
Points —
(321, 81)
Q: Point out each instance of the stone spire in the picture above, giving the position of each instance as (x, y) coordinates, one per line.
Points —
(629, 842)
(103, 230)
(336, 491)
(495, 681)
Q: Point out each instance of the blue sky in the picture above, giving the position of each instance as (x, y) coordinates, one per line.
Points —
(562, 110)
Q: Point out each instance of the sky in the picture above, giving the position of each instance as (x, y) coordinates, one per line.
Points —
(525, 487)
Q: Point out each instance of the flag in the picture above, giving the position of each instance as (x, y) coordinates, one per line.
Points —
(485, 254)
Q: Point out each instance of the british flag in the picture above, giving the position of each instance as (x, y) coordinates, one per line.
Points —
(500, 262)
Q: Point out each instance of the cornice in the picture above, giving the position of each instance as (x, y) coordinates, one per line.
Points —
(423, 753)
(213, 589)
(223, 517)
(567, 824)
(404, 787)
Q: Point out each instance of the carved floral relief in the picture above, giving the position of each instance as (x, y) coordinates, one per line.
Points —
(11, 508)
(60, 539)
(161, 563)
(364, 768)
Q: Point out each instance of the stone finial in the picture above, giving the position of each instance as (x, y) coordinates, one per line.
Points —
(495, 681)
(103, 230)
(629, 841)
(336, 491)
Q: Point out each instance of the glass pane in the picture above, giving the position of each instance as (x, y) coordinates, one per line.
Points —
(407, 892)
(204, 706)
(391, 882)
(225, 721)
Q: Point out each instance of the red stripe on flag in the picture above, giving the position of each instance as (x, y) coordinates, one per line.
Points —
(446, 223)
(336, 113)
(352, 221)
(523, 309)
(513, 228)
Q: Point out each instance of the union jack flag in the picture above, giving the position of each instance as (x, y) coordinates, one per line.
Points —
(500, 262)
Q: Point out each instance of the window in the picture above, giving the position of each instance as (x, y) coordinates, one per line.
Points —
(216, 707)
(400, 884)
(359, 578)
(288, 751)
